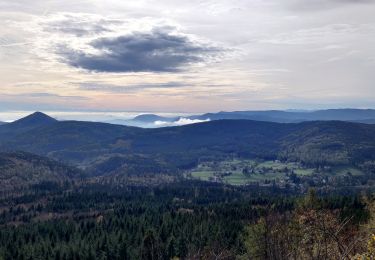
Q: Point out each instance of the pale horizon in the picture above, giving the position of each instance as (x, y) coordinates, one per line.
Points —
(123, 117)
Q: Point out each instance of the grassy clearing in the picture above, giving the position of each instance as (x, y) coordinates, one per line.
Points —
(233, 171)
(202, 175)
(344, 170)
(236, 179)
(304, 171)
(241, 172)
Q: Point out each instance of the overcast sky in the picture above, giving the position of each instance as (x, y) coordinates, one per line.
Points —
(186, 56)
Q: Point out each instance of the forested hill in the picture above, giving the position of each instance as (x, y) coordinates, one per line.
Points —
(20, 170)
(25, 124)
(90, 144)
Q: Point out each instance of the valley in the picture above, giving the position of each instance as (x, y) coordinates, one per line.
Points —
(237, 152)
(89, 190)
(187, 130)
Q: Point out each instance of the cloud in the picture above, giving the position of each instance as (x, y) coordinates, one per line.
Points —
(39, 101)
(50, 95)
(78, 27)
(131, 88)
(319, 35)
(309, 39)
(78, 24)
(179, 122)
(317, 5)
(43, 95)
(159, 50)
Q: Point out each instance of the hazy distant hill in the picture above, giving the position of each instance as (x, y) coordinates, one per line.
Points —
(289, 116)
(93, 145)
(150, 118)
(34, 120)
(359, 115)
(25, 124)
(145, 120)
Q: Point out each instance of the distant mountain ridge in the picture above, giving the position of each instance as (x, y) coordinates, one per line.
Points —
(293, 117)
(106, 148)
(278, 116)
(149, 120)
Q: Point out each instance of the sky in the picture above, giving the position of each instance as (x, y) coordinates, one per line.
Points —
(186, 56)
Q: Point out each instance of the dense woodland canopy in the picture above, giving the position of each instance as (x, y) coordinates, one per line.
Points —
(186, 220)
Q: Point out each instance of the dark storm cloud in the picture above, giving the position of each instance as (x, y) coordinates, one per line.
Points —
(156, 51)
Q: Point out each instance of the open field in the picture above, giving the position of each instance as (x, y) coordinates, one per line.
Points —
(242, 172)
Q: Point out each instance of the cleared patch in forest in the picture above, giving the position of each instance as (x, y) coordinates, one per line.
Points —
(242, 172)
